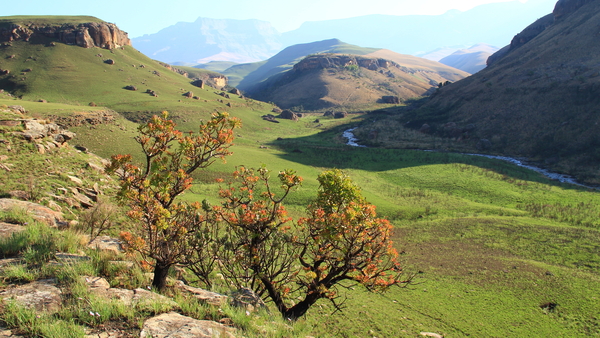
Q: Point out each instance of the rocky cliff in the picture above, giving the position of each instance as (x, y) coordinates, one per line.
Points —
(341, 61)
(87, 35)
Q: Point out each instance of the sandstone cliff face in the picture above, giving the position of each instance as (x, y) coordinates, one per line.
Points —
(87, 35)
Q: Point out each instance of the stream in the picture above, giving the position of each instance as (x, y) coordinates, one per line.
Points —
(352, 141)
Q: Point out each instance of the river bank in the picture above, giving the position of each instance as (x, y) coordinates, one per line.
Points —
(353, 141)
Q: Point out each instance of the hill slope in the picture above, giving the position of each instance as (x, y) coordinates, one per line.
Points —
(350, 81)
(245, 76)
(538, 100)
(41, 65)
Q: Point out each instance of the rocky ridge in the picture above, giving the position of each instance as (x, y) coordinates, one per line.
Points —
(87, 35)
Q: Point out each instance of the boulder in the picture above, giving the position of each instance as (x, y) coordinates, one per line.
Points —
(37, 211)
(205, 296)
(174, 325)
(431, 334)
(110, 62)
(106, 243)
(340, 115)
(131, 87)
(95, 167)
(198, 83)
(235, 91)
(390, 99)
(41, 295)
(246, 298)
(5, 333)
(36, 130)
(425, 128)
(289, 115)
(64, 136)
(189, 95)
(269, 118)
(7, 229)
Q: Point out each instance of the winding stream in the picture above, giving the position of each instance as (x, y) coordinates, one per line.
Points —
(352, 141)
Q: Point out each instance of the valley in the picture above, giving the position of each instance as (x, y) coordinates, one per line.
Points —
(492, 249)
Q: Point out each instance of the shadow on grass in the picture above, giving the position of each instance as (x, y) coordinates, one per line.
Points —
(328, 150)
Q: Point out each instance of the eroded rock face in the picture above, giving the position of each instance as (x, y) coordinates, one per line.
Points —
(92, 34)
(174, 325)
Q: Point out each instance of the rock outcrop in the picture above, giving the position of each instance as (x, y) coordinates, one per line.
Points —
(87, 35)
(37, 211)
(343, 61)
(41, 295)
(173, 324)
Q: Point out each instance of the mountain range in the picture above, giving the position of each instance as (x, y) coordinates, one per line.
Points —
(244, 41)
(208, 40)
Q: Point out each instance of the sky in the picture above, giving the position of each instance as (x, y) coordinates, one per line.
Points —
(147, 17)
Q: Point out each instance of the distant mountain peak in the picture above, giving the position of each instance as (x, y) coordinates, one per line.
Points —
(209, 39)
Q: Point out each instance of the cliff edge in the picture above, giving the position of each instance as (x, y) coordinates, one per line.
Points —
(86, 34)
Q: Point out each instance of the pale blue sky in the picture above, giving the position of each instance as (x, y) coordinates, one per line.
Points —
(149, 16)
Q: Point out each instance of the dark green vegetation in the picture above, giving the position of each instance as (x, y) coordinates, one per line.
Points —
(539, 100)
(491, 243)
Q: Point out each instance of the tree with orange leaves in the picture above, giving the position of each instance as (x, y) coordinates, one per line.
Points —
(341, 240)
(168, 229)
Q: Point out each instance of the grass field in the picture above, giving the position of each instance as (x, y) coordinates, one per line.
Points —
(488, 242)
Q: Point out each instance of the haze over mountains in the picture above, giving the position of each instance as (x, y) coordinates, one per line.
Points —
(212, 40)
(253, 40)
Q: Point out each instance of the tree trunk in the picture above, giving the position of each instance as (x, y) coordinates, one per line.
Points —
(298, 310)
(160, 276)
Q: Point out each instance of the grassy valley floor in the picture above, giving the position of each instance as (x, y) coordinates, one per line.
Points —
(491, 245)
